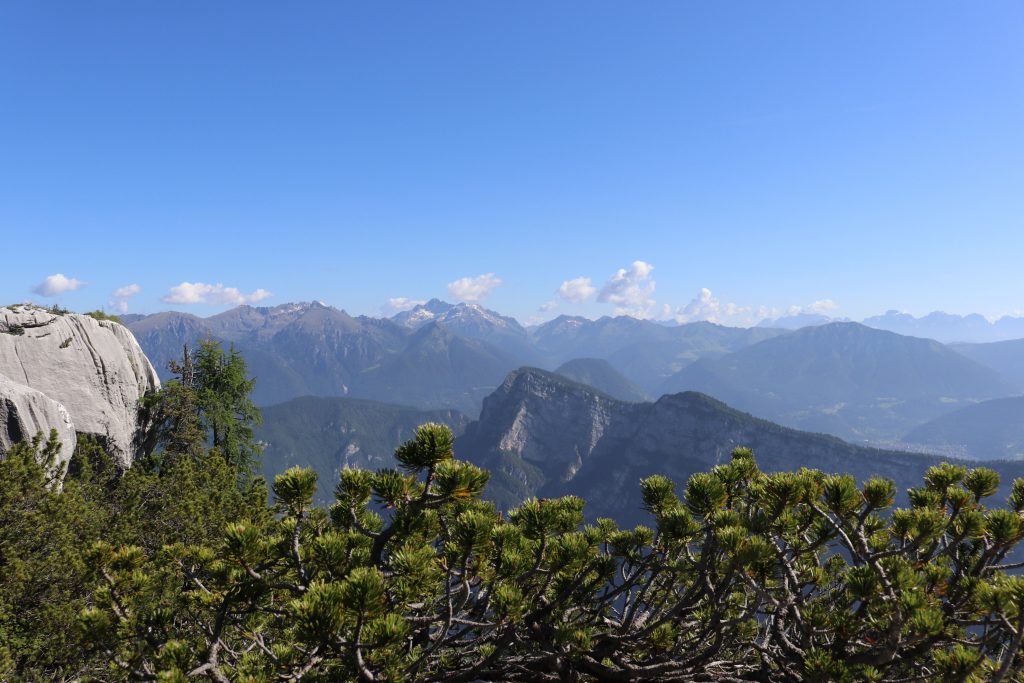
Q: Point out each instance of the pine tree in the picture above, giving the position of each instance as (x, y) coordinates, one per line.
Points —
(225, 409)
(207, 404)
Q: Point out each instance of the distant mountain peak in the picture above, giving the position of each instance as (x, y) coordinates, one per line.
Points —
(543, 435)
(291, 308)
(949, 327)
(599, 373)
(799, 320)
(843, 378)
(453, 314)
(420, 314)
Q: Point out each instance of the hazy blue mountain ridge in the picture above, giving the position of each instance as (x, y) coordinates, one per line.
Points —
(329, 434)
(948, 327)
(312, 349)
(844, 379)
(437, 368)
(1005, 357)
(986, 430)
(645, 352)
(599, 373)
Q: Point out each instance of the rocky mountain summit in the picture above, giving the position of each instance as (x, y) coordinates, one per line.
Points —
(543, 435)
(599, 374)
(74, 373)
(474, 322)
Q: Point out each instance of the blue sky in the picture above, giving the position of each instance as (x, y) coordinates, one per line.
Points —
(776, 154)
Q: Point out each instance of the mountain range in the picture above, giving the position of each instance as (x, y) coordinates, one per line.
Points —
(434, 355)
(645, 352)
(588, 428)
(949, 328)
(846, 379)
(293, 350)
(542, 434)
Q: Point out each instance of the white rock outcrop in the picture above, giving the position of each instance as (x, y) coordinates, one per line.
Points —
(24, 412)
(94, 368)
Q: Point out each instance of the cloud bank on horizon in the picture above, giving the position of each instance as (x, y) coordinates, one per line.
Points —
(628, 291)
(631, 291)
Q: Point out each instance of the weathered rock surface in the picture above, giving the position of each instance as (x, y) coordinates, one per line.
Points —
(25, 412)
(94, 368)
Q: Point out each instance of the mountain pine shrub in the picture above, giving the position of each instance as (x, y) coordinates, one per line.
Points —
(411, 576)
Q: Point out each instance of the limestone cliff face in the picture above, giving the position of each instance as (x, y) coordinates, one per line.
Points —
(540, 429)
(25, 412)
(93, 368)
(546, 420)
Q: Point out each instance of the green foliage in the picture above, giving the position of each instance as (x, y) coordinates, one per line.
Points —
(102, 315)
(207, 404)
(431, 446)
(179, 569)
(39, 532)
(748, 576)
(295, 489)
(64, 538)
(225, 410)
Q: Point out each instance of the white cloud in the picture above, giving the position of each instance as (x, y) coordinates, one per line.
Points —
(119, 299)
(58, 284)
(401, 303)
(706, 306)
(820, 307)
(548, 306)
(212, 295)
(577, 290)
(127, 292)
(473, 288)
(630, 290)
